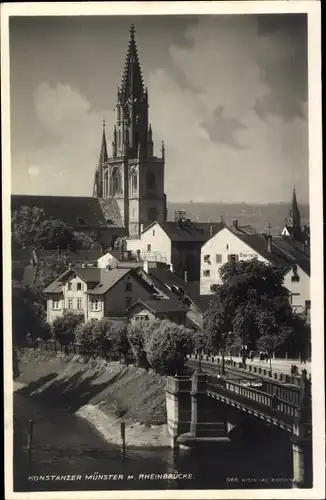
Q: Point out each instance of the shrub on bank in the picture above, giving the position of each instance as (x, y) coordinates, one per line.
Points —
(64, 327)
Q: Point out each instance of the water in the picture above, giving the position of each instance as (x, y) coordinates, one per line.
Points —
(66, 445)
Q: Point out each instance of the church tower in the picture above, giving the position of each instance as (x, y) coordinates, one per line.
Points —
(293, 222)
(133, 175)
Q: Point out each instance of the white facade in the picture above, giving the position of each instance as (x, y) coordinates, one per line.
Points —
(216, 252)
(298, 284)
(153, 245)
(114, 302)
(107, 260)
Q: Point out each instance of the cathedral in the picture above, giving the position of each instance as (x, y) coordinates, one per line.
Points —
(128, 191)
(133, 175)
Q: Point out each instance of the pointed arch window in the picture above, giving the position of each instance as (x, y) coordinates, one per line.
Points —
(134, 182)
(115, 182)
(106, 183)
(150, 180)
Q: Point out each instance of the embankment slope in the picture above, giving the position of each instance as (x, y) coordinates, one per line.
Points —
(103, 393)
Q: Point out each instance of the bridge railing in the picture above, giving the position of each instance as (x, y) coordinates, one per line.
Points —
(261, 398)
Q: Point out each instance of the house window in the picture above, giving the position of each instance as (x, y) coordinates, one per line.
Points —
(128, 286)
(79, 303)
(149, 248)
(55, 304)
(153, 232)
(207, 258)
(79, 287)
(295, 278)
(233, 257)
(70, 303)
(69, 287)
(293, 296)
(218, 258)
(96, 305)
(128, 302)
(213, 288)
(206, 273)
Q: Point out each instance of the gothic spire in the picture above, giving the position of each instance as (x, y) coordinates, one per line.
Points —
(294, 211)
(104, 151)
(132, 81)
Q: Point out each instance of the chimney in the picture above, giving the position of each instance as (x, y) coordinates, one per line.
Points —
(186, 276)
(235, 224)
(145, 266)
(269, 243)
(69, 265)
(141, 228)
(138, 255)
(210, 231)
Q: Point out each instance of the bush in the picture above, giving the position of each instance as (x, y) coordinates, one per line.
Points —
(64, 327)
(167, 347)
(136, 336)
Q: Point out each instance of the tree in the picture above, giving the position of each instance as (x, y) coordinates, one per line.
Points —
(32, 227)
(28, 314)
(136, 336)
(48, 270)
(64, 328)
(167, 346)
(251, 307)
(113, 336)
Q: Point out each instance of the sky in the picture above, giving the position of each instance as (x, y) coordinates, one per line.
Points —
(227, 94)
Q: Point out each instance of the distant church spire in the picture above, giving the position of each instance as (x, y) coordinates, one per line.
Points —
(294, 211)
(104, 150)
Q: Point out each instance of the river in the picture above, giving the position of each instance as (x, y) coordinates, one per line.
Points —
(65, 445)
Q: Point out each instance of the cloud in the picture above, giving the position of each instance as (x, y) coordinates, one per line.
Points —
(68, 144)
(34, 170)
(226, 131)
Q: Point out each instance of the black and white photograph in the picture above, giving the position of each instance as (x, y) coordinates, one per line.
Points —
(162, 194)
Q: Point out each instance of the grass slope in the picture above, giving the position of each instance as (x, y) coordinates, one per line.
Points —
(122, 391)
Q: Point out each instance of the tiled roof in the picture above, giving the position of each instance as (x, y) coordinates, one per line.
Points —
(76, 211)
(108, 278)
(189, 231)
(160, 305)
(202, 302)
(87, 274)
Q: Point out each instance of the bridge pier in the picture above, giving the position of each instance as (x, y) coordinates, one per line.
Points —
(301, 439)
(178, 406)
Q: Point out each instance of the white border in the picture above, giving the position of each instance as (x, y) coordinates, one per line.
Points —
(312, 8)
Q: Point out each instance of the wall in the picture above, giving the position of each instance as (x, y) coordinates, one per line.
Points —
(159, 241)
(115, 299)
(223, 243)
(107, 260)
(141, 311)
(51, 313)
(72, 294)
(299, 289)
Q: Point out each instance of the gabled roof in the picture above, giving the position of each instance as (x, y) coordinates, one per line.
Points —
(160, 306)
(202, 302)
(78, 212)
(188, 231)
(87, 274)
(108, 278)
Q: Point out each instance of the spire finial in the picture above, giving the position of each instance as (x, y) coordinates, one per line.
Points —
(132, 32)
(103, 124)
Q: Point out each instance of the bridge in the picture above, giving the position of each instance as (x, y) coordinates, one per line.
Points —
(240, 395)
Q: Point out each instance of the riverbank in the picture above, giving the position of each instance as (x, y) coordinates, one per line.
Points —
(102, 393)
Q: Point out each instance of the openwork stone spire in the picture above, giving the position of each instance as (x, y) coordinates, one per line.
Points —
(132, 86)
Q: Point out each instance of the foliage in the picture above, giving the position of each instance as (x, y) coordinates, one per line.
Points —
(64, 327)
(28, 315)
(136, 336)
(32, 227)
(168, 346)
(251, 307)
(107, 334)
(49, 269)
